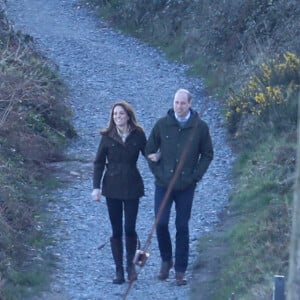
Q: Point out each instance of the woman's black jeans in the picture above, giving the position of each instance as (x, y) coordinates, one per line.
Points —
(183, 206)
(115, 211)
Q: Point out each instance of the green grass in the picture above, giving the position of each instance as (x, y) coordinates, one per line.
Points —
(24, 264)
(26, 283)
(257, 242)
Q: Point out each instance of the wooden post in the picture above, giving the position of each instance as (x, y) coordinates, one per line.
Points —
(278, 291)
(294, 259)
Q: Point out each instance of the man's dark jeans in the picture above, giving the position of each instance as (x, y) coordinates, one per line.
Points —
(183, 205)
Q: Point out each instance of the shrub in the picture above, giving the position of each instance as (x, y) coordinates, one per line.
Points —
(269, 97)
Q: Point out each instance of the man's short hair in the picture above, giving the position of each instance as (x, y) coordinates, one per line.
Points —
(184, 91)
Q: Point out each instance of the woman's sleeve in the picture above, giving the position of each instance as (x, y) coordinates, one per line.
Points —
(99, 164)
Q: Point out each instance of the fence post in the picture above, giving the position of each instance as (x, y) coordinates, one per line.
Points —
(278, 290)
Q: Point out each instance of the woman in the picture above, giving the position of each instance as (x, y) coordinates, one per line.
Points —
(122, 185)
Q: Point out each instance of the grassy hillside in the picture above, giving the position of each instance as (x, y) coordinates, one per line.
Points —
(248, 54)
(35, 123)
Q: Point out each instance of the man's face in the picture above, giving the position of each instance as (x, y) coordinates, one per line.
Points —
(181, 105)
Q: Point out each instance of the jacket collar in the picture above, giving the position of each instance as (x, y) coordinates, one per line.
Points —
(115, 136)
(171, 119)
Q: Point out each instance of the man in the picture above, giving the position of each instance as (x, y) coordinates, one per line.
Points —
(179, 138)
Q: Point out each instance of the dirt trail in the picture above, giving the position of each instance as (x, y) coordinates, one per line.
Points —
(101, 66)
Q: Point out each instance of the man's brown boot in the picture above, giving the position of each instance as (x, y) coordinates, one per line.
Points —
(180, 279)
(165, 268)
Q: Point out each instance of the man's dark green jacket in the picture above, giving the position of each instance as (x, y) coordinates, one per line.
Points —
(172, 139)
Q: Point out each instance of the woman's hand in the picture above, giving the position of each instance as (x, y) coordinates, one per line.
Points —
(96, 194)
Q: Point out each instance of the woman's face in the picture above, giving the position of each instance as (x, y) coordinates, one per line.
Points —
(120, 116)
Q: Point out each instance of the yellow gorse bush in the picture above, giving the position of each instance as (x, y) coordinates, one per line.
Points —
(270, 87)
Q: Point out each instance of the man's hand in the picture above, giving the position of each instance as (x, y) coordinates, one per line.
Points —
(96, 194)
(155, 157)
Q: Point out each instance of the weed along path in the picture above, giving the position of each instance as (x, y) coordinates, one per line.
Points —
(100, 66)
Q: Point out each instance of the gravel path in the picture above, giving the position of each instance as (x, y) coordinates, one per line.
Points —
(101, 66)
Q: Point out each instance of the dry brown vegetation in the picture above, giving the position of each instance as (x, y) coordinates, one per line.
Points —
(35, 124)
(222, 40)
